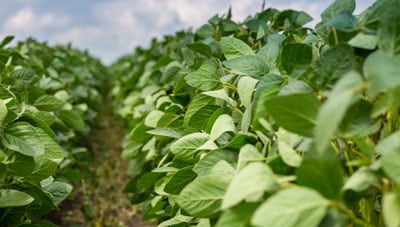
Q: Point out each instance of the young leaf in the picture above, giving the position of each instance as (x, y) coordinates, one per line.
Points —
(292, 207)
(233, 47)
(295, 113)
(14, 198)
(248, 65)
(255, 178)
(206, 77)
(186, 147)
(203, 197)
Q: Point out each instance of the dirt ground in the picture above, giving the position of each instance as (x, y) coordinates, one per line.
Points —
(99, 200)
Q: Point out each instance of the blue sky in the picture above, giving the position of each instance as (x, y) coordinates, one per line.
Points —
(111, 28)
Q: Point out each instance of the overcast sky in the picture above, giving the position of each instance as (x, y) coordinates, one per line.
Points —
(111, 28)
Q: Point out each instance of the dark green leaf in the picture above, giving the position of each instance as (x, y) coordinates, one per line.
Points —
(296, 56)
(337, 7)
(248, 65)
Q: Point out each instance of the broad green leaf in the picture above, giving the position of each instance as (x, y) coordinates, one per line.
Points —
(3, 112)
(238, 216)
(179, 180)
(207, 77)
(337, 7)
(288, 154)
(233, 47)
(381, 72)
(365, 41)
(59, 191)
(254, 179)
(25, 75)
(72, 119)
(250, 65)
(224, 123)
(21, 165)
(343, 95)
(292, 207)
(48, 103)
(203, 167)
(186, 147)
(6, 41)
(362, 183)
(389, 34)
(344, 21)
(270, 52)
(203, 196)
(294, 87)
(148, 180)
(246, 87)
(23, 138)
(198, 102)
(152, 118)
(322, 172)
(14, 198)
(391, 209)
(167, 132)
(201, 48)
(201, 118)
(390, 156)
(221, 94)
(334, 63)
(296, 113)
(248, 154)
(296, 56)
(43, 169)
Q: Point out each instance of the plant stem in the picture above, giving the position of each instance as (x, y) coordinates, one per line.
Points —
(350, 214)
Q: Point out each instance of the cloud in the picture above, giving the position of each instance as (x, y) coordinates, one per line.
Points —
(26, 22)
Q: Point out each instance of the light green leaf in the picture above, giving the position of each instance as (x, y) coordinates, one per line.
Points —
(14, 198)
(254, 179)
(206, 77)
(23, 137)
(381, 71)
(203, 197)
(224, 123)
(167, 132)
(238, 216)
(248, 65)
(204, 166)
(337, 7)
(48, 103)
(221, 94)
(344, 94)
(3, 112)
(391, 209)
(389, 34)
(361, 184)
(292, 207)
(186, 147)
(248, 154)
(233, 47)
(288, 154)
(270, 52)
(152, 118)
(296, 113)
(365, 41)
(246, 87)
(59, 191)
(390, 155)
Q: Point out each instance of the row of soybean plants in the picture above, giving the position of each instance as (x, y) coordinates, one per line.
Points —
(48, 98)
(267, 122)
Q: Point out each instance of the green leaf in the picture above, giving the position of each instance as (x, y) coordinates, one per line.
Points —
(296, 56)
(365, 41)
(288, 154)
(361, 184)
(207, 77)
(6, 41)
(238, 216)
(253, 180)
(389, 34)
(14, 198)
(167, 132)
(200, 119)
(152, 118)
(381, 71)
(337, 7)
(203, 167)
(179, 180)
(270, 52)
(246, 87)
(3, 112)
(344, 21)
(233, 47)
(201, 48)
(48, 103)
(248, 65)
(59, 191)
(198, 102)
(292, 207)
(72, 119)
(248, 154)
(221, 94)
(23, 138)
(391, 209)
(203, 197)
(344, 94)
(224, 123)
(334, 63)
(186, 147)
(295, 113)
(390, 156)
(322, 172)
(21, 165)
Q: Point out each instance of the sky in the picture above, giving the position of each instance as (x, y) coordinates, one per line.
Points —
(111, 28)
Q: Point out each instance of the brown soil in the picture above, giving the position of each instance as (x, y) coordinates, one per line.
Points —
(99, 200)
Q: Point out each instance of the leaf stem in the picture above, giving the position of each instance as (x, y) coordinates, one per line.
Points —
(350, 214)
(335, 35)
(230, 86)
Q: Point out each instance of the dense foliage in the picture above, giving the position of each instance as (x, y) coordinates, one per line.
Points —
(48, 97)
(267, 122)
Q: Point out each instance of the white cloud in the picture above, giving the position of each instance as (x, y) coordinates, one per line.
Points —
(26, 22)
